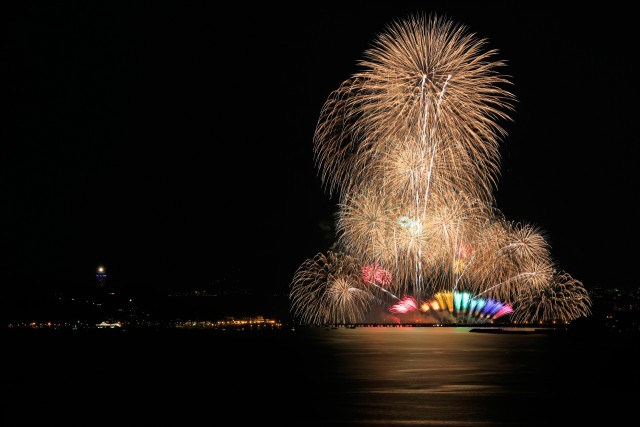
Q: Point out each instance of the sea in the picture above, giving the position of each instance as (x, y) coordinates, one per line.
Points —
(378, 376)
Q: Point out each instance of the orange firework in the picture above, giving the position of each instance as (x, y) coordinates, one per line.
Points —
(425, 105)
(329, 289)
(410, 144)
(564, 300)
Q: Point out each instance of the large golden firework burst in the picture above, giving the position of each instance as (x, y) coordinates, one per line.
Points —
(564, 300)
(425, 106)
(410, 144)
(329, 289)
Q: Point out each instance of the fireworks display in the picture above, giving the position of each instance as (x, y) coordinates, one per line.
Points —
(330, 289)
(374, 274)
(411, 146)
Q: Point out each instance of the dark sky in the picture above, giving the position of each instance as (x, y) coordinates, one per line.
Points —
(172, 142)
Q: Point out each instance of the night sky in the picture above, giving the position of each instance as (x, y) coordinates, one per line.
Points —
(172, 143)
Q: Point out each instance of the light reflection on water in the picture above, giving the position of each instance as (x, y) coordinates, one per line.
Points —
(449, 376)
(313, 376)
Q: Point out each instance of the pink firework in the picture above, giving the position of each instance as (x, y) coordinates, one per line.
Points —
(376, 275)
(465, 250)
(406, 305)
(504, 310)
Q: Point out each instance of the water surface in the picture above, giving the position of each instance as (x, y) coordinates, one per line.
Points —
(315, 376)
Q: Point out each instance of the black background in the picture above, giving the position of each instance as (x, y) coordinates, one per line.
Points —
(172, 142)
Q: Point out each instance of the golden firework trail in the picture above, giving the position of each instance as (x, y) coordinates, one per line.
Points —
(411, 146)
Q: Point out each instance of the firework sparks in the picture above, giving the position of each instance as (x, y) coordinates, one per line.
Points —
(411, 145)
(406, 305)
(329, 289)
(564, 300)
(376, 275)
